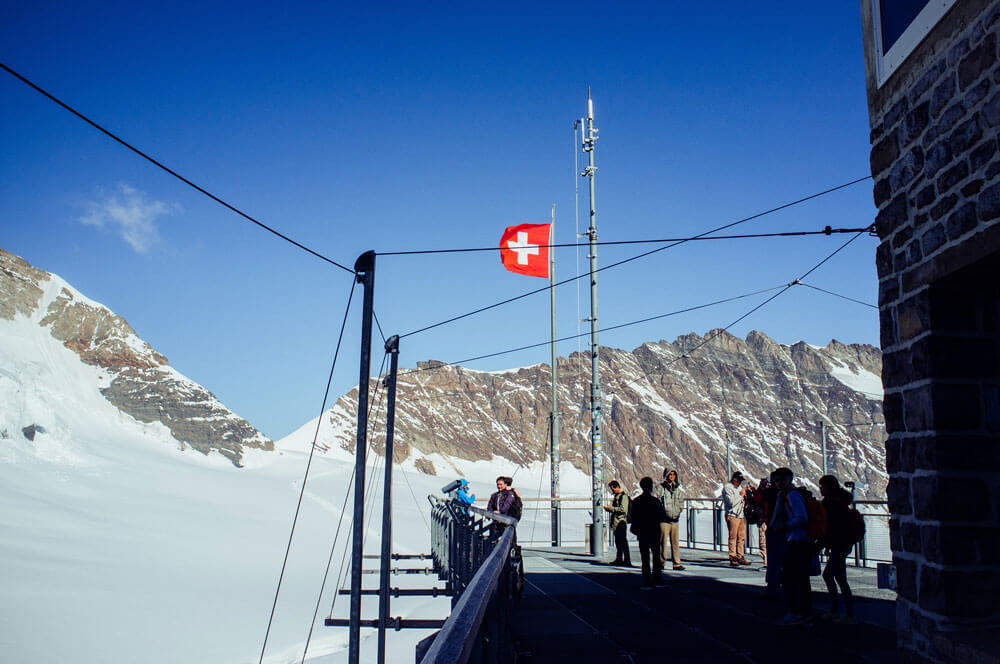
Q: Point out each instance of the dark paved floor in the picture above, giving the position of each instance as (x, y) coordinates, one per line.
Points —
(575, 610)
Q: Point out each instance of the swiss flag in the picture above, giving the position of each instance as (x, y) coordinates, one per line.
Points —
(524, 249)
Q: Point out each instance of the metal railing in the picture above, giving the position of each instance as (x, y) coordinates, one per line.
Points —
(705, 516)
(475, 552)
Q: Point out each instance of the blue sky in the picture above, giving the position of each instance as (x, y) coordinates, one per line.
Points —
(397, 127)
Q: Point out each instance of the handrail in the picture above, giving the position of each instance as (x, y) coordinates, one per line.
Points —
(457, 639)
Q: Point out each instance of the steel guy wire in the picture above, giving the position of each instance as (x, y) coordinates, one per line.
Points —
(329, 561)
(844, 297)
(634, 258)
(582, 245)
(603, 329)
(302, 490)
(169, 170)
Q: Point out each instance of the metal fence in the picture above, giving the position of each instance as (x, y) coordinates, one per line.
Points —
(475, 552)
(702, 526)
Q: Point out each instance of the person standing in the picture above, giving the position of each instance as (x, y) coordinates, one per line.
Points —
(646, 514)
(672, 497)
(732, 501)
(502, 499)
(619, 517)
(838, 542)
(791, 521)
(777, 544)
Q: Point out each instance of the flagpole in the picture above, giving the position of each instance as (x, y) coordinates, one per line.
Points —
(554, 415)
(597, 543)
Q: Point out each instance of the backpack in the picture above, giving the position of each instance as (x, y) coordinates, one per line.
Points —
(855, 526)
(752, 512)
(515, 508)
(816, 514)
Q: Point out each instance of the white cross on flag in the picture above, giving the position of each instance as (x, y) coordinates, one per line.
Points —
(524, 249)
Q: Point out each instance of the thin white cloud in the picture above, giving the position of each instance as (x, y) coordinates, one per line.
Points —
(131, 214)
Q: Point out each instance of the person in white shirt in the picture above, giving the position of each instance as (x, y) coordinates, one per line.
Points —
(732, 501)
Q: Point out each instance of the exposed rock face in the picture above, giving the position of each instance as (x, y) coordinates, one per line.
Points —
(663, 409)
(142, 384)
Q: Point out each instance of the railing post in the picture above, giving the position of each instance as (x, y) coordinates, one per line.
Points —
(391, 347)
(364, 270)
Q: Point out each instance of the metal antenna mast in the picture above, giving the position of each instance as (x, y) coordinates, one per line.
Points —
(596, 416)
(554, 424)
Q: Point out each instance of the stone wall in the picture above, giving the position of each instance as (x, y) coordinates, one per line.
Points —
(936, 172)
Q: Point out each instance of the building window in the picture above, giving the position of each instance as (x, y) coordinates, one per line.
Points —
(900, 25)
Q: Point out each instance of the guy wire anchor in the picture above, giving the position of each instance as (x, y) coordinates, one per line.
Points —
(797, 282)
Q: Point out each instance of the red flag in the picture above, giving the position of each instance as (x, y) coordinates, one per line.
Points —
(524, 249)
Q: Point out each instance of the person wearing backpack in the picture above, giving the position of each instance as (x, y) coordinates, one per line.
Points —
(618, 513)
(838, 542)
(791, 521)
(672, 497)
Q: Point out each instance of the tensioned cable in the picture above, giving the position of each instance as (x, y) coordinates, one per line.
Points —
(843, 297)
(603, 329)
(312, 450)
(170, 170)
(364, 489)
(333, 547)
(826, 231)
(633, 258)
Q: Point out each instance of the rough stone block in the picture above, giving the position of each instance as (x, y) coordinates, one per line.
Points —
(959, 593)
(899, 261)
(919, 220)
(955, 452)
(993, 170)
(943, 206)
(888, 334)
(991, 111)
(965, 135)
(991, 406)
(977, 93)
(956, 52)
(888, 290)
(926, 195)
(892, 216)
(958, 357)
(956, 407)
(926, 81)
(953, 176)
(881, 192)
(906, 168)
(902, 236)
(895, 113)
(950, 499)
(933, 239)
(961, 221)
(895, 539)
(951, 117)
(898, 495)
(913, 315)
(961, 545)
(910, 537)
(972, 188)
(906, 578)
(914, 253)
(938, 156)
(916, 121)
(981, 155)
(978, 61)
(988, 203)
(892, 410)
(883, 258)
(884, 153)
(917, 413)
(943, 94)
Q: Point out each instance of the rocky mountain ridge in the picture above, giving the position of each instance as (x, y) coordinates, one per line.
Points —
(137, 379)
(666, 406)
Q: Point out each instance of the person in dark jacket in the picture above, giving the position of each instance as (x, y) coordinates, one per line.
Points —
(618, 513)
(502, 499)
(837, 503)
(646, 514)
(672, 496)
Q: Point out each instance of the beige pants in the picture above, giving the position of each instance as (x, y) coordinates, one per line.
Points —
(762, 533)
(670, 532)
(737, 536)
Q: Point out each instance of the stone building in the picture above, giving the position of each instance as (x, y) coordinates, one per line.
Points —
(933, 80)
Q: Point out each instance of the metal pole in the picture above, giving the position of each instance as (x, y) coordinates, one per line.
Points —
(554, 428)
(596, 446)
(391, 347)
(729, 465)
(364, 269)
(822, 436)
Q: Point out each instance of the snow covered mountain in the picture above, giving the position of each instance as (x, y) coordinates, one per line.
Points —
(666, 406)
(49, 330)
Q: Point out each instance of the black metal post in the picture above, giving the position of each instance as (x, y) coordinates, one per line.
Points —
(391, 347)
(364, 270)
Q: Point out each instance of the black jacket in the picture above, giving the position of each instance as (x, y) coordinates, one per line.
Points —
(646, 514)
